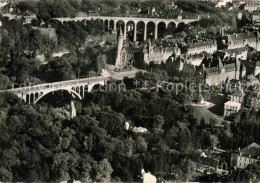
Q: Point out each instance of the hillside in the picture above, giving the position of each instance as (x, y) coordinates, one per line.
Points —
(203, 112)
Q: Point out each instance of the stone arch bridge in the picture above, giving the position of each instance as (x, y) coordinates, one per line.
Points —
(134, 20)
(77, 88)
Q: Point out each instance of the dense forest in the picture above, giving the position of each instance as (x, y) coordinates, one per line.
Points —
(38, 144)
(20, 45)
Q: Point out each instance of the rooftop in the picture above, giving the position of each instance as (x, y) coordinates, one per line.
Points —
(229, 103)
(242, 36)
(206, 43)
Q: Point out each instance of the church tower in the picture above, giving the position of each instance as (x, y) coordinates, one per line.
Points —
(120, 41)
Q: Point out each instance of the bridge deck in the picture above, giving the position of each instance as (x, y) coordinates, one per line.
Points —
(145, 19)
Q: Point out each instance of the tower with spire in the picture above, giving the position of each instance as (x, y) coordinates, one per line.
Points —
(120, 43)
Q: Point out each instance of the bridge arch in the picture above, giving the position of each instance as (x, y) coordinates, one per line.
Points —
(151, 30)
(112, 24)
(130, 27)
(162, 26)
(181, 26)
(171, 28)
(68, 90)
(140, 30)
(106, 24)
(120, 24)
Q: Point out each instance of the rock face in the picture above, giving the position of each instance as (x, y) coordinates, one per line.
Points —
(148, 177)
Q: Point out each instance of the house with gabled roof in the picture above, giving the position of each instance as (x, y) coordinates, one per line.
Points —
(246, 156)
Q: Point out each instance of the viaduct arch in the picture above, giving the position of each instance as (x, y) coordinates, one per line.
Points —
(111, 22)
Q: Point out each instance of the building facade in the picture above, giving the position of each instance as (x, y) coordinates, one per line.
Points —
(251, 7)
(216, 74)
(127, 54)
(246, 156)
(240, 40)
(234, 105)
(207, 46)
(159, 54)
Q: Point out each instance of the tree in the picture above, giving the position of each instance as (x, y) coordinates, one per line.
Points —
(102, 171)
(4, 82)
(100, 62)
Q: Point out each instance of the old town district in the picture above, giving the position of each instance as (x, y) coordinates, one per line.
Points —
(229, 59)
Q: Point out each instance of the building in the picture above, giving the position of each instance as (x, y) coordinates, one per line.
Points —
(207, 46)
(231, 108)
(148, 177)
(122, 58)
(235, 103)
(211, 71)
(159, 54)
(239, 53)
(216, 72)
(128, 54)
(241, 40)
(256, 17)
(25, 18)
(244, 157)
(223, 3)
(195, 59)
(251, 7)
(240, 16)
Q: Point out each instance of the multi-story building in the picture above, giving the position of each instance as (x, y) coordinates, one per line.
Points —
(256, 17)
(125, 56)
(195, 59)
(211, 70)
(128, 54)
(241, 40)
(158, 54)
(251, 7)
(244, 157)
(235, 103)
(216, 72)
(207, 46)
(239, 53)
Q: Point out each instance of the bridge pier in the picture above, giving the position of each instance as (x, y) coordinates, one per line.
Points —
(145, 31)
(156, 30)
(125, 31)
(135, 31)
(115, 25)
(34, 98)
(83, 91)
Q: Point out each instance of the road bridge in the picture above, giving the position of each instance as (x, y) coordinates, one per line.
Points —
(77, 88)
